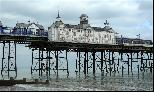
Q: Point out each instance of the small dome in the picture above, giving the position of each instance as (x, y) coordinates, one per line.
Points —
(83, 15)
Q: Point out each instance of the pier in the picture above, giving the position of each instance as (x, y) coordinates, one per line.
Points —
(46, 56)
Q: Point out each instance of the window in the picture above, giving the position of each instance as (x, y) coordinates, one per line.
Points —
(74, 33)
(88, 40)
(93, 40)
(75, 39)
(102, 40)
(104, 36)
(110, 37)
(63, 38)
(67, 33)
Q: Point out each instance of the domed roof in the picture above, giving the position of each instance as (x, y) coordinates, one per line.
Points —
(83, 15)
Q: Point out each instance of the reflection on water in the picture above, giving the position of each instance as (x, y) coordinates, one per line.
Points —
(92, 83)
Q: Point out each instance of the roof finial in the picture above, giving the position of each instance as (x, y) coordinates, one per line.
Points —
(28, 21)
(106, 23)
(58, 15)
(138, 36)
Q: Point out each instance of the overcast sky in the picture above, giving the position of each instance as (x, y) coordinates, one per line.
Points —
(127, 17)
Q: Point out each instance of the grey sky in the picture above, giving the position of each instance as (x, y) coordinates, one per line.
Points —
(127, 17)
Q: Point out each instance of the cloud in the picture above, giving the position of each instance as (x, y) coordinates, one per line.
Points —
(125, 16)
(146, 4)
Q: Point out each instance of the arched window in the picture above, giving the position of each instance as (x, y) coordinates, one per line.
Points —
(67, 33)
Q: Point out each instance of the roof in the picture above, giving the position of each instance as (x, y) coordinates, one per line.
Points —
(18, 25)
(24, 25)
(83, 15)
(98, 28)
(70, 26)
(106, 28)
(58, 23)
(82, 26)
(39, 26)
(135, 40)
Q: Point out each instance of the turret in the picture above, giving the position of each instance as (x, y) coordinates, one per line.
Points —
(83, 19)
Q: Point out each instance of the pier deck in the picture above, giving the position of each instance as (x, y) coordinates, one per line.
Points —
(47, 56)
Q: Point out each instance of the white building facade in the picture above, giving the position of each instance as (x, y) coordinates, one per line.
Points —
(81, 33)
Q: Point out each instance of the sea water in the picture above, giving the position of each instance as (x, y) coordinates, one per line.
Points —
(143, 82)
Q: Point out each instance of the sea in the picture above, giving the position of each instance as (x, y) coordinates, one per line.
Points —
(141, 82)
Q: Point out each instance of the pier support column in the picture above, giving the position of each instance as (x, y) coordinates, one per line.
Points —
(151, 66)
(102, 70)
(106, 60)
(48, 63)
(110, 62)
(87, 59)
(131, 63)
(56, 56)
(114, 63)
(85, 62)
(142, 63)
(67, 63)
(40, 62)
(128, 62)
(9, 68)
(59, 62)
(93, 54)
(79, 62)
